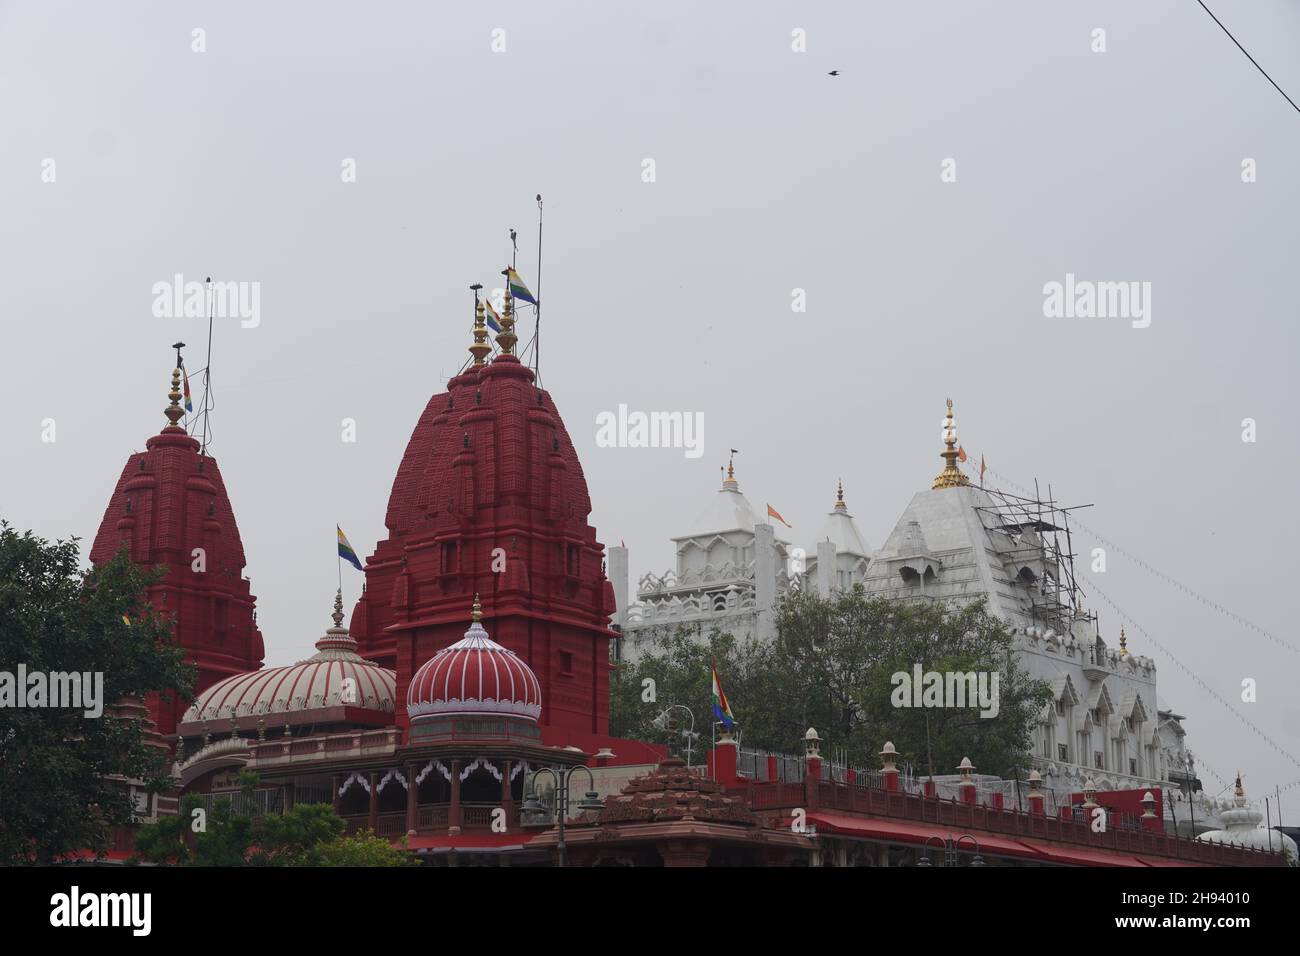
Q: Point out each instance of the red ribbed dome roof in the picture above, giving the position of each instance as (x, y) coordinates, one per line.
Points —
(476, 676)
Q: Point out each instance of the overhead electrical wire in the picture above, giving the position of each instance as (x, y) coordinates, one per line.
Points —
(1248, 56)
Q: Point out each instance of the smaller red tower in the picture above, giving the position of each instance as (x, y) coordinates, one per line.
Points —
(170, 508)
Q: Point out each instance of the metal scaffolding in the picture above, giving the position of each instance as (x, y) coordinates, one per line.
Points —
(1038, 532)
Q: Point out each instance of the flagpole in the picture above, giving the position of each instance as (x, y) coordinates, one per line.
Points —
(713, 746)
(180, 364)
(537, 306)
(207, 368)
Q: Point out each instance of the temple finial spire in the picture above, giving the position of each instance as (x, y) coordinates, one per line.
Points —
(480, 348)
(1123, 643)
(476, 614)
(839, 495)
(174, 412)
(338, 608)
(951, 476)
(730, 483)
(507, 338)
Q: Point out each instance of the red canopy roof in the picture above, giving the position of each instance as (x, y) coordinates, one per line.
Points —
(908, 832)
(905, 831)
(470, 841)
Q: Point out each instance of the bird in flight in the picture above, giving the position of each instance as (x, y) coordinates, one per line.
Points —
(833, 73)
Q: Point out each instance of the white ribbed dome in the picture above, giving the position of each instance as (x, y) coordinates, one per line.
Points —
(336, 676)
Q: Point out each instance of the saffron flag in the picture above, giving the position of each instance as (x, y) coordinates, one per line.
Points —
(189, 405)
(346, 552)
(490, 314)
(982, 467)
(517, 287)
(721, 709)
(773, 513)
(961, 454)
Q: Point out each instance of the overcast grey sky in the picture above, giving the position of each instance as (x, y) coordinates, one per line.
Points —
(676, 294)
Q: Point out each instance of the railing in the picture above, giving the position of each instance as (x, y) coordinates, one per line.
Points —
(910, 806)
(263, 801)
(429, 818)
(477, 814)
(432, 816)
(391, 824)
(315, 748)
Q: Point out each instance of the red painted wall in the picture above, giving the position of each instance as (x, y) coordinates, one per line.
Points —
(1127, 802)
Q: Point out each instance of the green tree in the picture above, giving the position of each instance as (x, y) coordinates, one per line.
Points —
(831, 667)
(838, 657)
(309, 834)
(58, 794)
(364, 849)
(679, 665)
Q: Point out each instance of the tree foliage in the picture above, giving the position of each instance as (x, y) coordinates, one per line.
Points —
(831, 667)
(309, 834)
(57, 792)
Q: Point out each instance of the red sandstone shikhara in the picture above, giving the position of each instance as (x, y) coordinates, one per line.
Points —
(414, 726)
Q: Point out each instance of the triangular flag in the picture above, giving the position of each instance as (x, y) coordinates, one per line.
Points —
(346, 552)
(517, 287)
(773, 513)
(491, 317)
(721, 709)
(961, 454)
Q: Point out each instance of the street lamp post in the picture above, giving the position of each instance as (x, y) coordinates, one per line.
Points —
(534, 805)
(664, 722)
(950, 849)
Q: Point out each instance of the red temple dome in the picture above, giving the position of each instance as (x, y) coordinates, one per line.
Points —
(476, 676)
(170, 508)
(490, 499)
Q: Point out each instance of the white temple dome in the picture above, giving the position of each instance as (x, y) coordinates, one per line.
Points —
(1241, 827)
(335, 676)
(841, 530)
(729, 510)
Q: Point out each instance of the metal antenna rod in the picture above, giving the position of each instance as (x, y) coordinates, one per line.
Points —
(207, 370)
(537, 306)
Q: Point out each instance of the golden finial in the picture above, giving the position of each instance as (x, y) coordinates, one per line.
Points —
(1123, 643)
(730, 481)
(506, 338)
(174, 412)
(338, 608)
(1240, 792)
(839, 495)
(480, 348)
(951, 476)
(476, 615)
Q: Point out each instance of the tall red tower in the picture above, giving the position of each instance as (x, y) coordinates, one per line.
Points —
(490, 499)
(170, 508)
